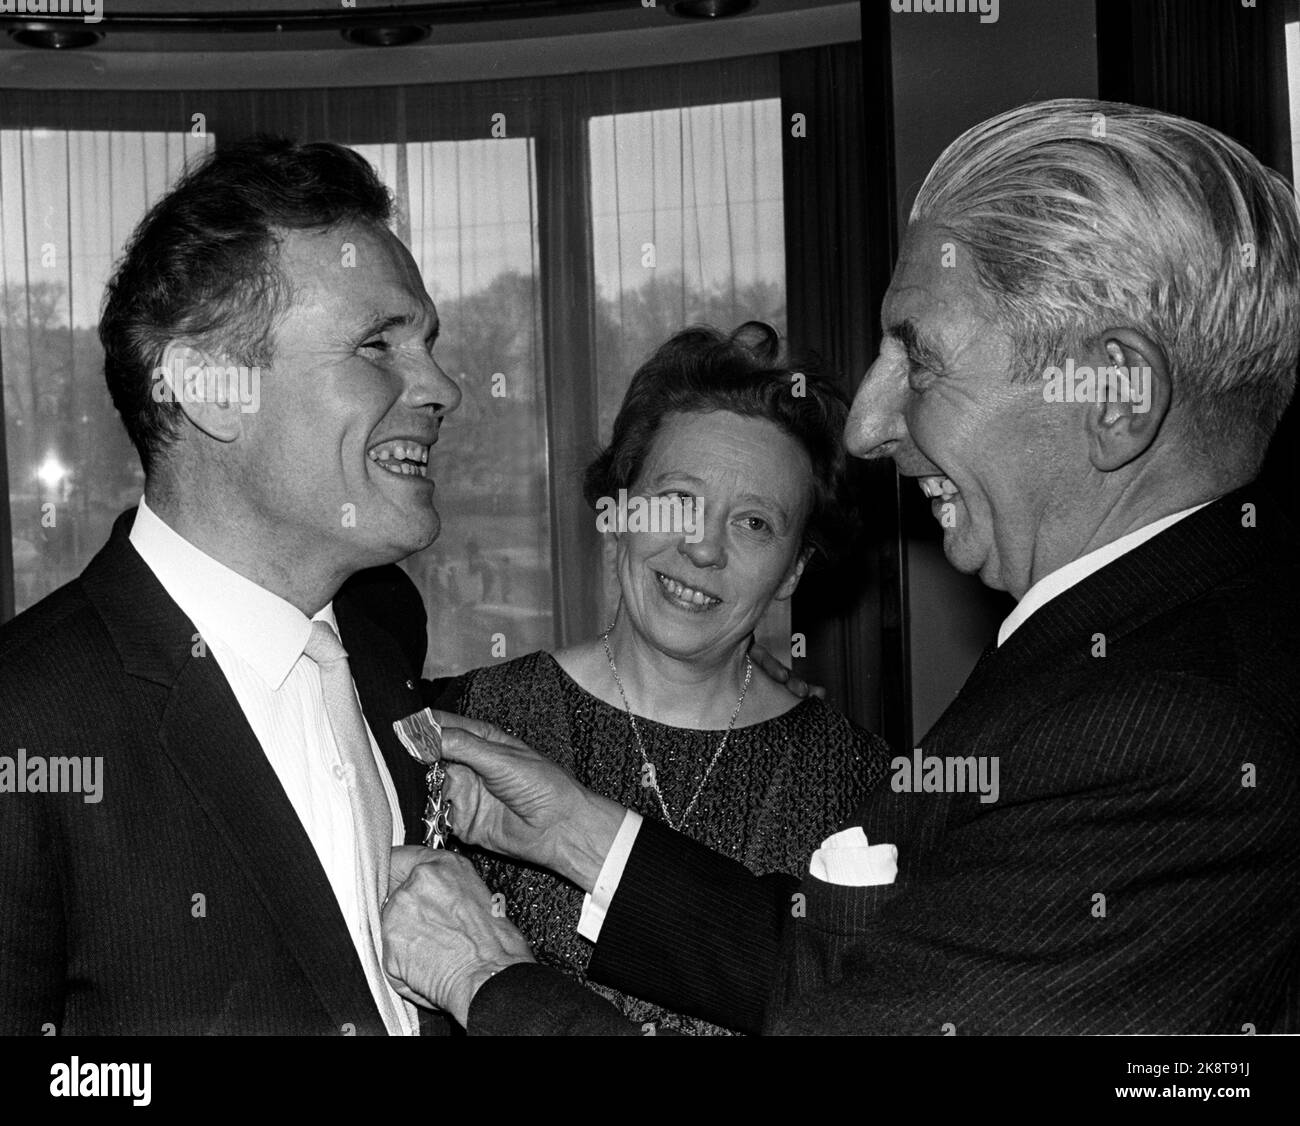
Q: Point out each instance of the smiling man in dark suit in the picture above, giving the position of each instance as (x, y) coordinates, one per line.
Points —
(269, 345)
(1090, 336)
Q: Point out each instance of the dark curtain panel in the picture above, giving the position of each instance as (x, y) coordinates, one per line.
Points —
(839, 253)
(569, 301)
(1223, 64)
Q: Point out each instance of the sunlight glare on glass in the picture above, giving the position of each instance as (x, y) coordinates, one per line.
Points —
(52, 472)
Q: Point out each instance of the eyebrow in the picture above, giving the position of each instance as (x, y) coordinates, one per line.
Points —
(919, 350)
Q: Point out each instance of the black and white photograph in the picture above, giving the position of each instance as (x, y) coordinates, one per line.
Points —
(844, 581)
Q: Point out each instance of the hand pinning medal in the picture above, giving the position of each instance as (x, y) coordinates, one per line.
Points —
(421, 735)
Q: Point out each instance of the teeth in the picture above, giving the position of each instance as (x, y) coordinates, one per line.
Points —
(405, 451)
(409, 459)
(937, 487)
(685, 593)
(403, 468)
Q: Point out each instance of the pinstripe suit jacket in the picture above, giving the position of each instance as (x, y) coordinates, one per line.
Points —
(1138, 872)
(189, 899)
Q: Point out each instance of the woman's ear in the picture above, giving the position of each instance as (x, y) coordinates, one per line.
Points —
(791, 581)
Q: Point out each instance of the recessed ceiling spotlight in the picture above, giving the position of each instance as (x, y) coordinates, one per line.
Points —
(398, 35)
(53, 37)
(709, 9)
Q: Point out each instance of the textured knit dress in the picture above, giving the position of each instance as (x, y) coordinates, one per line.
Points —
(780, 788)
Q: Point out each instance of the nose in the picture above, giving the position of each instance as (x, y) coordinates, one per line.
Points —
(711, 550)
(876, 426)
(429, 386)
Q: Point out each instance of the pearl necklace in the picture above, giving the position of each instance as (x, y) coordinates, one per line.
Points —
(645, 759)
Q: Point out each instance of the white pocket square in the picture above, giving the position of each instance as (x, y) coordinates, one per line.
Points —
(848, 860)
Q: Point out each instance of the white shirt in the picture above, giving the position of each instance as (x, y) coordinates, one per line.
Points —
(1036, 597)
(257, 640)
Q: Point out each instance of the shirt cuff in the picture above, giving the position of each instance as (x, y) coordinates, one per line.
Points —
(597, 902)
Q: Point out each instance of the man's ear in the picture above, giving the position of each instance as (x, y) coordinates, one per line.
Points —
(791, 580)
(201, 385)
(1132, 398)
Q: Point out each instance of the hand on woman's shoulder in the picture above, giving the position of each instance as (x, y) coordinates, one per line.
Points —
(767, 699)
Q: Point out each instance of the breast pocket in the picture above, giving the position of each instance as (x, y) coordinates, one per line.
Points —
(826, 921)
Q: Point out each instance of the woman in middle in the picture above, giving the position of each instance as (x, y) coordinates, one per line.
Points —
(665, 711)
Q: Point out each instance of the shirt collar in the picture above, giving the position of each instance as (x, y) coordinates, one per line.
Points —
(1074, 572)
(261, 628)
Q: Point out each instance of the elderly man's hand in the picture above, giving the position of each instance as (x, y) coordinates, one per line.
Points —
(782, 674)
(442, 940)
(512, 800)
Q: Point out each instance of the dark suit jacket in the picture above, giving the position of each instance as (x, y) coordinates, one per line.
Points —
(1137, 873)
(189, 899)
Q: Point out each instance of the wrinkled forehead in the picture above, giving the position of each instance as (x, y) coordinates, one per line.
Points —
(702, 434)
(934, 278)
(752, 456)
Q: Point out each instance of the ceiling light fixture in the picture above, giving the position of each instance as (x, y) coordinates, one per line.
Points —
(709, 9)
(396, 35)
(55, 37)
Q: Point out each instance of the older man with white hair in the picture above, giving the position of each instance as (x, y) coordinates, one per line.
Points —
(1090, 336)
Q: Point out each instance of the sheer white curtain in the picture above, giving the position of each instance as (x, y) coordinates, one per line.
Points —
(687, 228)
(68, 202)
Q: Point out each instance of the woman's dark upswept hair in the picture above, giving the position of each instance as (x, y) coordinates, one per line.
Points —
(701, 370)
(202, 265)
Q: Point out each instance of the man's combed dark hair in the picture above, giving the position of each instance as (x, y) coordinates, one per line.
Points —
(202, 265)
(701, 370)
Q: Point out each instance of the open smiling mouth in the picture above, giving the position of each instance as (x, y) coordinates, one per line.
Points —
(685, 597)
(402, 458)
(938, 486)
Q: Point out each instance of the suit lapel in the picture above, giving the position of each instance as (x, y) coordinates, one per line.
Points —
(1176, 567)
(209, 741)
(1172, 569)
(204, 733)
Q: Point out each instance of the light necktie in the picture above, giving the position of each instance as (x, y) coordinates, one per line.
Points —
(371, 814)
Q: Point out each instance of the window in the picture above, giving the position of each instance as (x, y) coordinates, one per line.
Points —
(68, 202)
(687, 159)
(468, 213)
(687, 228)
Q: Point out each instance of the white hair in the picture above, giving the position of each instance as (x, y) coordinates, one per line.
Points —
(1079, 212)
